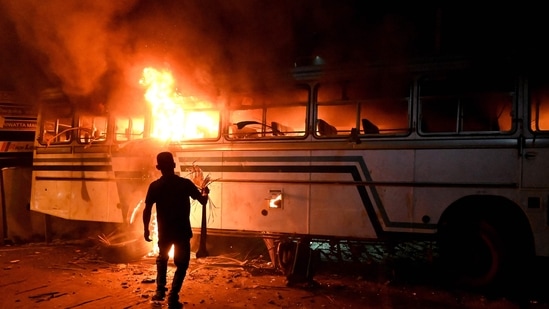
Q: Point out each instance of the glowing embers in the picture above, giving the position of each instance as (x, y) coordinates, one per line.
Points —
(173, 116)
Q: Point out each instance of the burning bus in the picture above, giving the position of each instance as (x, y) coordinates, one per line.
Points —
(337, 159)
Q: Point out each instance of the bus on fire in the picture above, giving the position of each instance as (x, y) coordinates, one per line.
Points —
(444, 152)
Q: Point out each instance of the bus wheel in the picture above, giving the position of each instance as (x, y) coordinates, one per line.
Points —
(473, 253)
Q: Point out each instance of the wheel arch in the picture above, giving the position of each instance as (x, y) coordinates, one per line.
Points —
(496, 209)
(497, 222)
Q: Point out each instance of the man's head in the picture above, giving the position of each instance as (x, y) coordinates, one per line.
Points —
(164, 161)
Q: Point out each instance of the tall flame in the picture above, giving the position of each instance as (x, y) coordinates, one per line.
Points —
(175, 117)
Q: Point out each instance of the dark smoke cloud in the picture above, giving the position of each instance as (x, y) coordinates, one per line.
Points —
(90, 47)
(97, 49)
(67, 39)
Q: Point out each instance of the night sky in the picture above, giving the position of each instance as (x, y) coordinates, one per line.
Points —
(97, 48)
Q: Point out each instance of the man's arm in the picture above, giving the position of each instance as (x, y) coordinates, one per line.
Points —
(146, 220)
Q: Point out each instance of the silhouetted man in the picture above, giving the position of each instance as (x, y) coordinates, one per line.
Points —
(171, 195)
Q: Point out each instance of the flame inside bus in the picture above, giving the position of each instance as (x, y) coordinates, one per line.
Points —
(174, 116)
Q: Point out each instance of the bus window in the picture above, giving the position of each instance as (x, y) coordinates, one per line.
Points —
(56, 126)
(466, 104)
(92, 129)
(127, 129)
(362, 104)
(338, 118)
(239, 127)
(439, 115)
(275, 115)
(186, 124)
(384, 116)
(539, 106)
(488, 112)
(202, 124)
(336, 113)
(287, 120)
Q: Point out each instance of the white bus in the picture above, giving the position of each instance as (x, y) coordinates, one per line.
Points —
(452, 152)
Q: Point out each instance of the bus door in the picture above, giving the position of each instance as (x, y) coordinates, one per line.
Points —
(534, 151)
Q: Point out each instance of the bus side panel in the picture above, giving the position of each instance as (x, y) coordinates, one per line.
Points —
(51, 196)
(393, 203)
(246, 207)
(468, 166)
(95, 200)
(356, 204)
(535, 164)
(338, 210)
(70, 196)
(462, 172)
(244, 183)
(534, 161)
(77, 200)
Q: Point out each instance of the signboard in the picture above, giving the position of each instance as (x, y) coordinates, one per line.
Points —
(15, 116)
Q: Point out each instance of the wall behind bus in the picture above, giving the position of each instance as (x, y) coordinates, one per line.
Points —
(19, 223)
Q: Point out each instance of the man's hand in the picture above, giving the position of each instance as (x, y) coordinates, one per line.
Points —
(205, 191)
(147, 235)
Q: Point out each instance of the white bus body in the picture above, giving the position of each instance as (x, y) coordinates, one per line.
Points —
(450, 152)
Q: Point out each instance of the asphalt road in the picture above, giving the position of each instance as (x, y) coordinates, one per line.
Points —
(78, 276)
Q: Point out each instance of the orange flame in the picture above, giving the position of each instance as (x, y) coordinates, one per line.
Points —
(175, 117)
(154, 236)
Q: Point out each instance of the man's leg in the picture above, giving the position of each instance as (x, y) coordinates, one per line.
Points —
(181, 258)
(161, 270)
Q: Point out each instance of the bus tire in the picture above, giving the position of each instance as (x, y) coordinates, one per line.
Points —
(473, 254)
(485, 243)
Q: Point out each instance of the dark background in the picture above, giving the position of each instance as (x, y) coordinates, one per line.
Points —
(96, 49)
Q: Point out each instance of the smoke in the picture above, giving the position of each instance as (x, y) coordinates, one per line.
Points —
(90, 48)
(67, 40)
(96, 50)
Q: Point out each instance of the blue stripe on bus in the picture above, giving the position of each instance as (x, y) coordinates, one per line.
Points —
(313, 169)
(339, 169)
